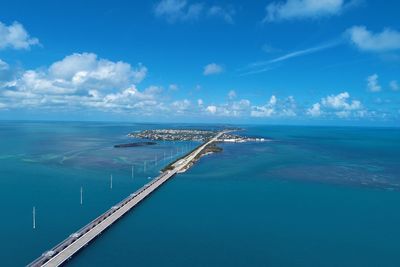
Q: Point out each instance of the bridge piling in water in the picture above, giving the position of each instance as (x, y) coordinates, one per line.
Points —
(78, 240)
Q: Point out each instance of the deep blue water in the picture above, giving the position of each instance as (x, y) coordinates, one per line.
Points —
(314, 196)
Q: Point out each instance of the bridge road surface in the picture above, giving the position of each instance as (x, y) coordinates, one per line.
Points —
(75, 242)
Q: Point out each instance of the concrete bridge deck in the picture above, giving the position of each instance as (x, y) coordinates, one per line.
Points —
(75, 242)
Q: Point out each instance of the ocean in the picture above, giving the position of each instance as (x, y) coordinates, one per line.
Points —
(312, 196)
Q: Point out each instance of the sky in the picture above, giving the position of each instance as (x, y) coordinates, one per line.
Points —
(306, 62)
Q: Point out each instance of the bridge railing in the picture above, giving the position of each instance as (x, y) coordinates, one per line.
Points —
(85, 229)
(71, 239)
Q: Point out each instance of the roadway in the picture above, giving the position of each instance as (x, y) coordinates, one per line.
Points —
(76, 241)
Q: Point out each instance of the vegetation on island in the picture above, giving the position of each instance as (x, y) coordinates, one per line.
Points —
(135, 144)
(193, 135)
(211, 148)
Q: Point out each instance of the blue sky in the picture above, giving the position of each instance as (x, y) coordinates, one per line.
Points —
(331, 62)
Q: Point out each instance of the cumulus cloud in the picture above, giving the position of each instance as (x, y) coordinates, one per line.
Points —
(181, 10)
(265, 111)
(212, 69)
(341, 101)
(83, 81)
(262, 111)
(373, 84)
(127, 98)
(139, 73)
(181, 106)
(272, 100)
(87, 70)
(225, 13)
(86, 82)
(170, 7)
(3, 65)
(237, 108)
(232, 94)
(315, 110)
(298, 9)
(339, 105)
(230, 109)
(5, 72)
(276, 107)
(16, 37)
(173, 87)
(174, 10)
(76, 73)
(211, 109)
(394, 85)
(387, 40)
(269, 49)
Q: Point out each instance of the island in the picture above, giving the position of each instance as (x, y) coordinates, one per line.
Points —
(208, 149)
(193, 135)
(174, 135)
(136, 144)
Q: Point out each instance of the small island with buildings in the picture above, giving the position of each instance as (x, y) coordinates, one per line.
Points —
(196, 136)
(193, 135)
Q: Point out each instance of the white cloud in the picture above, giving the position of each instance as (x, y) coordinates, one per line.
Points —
(343, 114)
(181, 10)
(224, 13)
(394, 85)
(15, 36)
(212, 68)
(83, 81)
(173, 87)
(339, 105)
(211, 109)
(153, 90)
(298, 9)
(231, 109)
(87, 70)
(200, 102)
(272, 100)
(126, 100)
(173, 10)
(170, 6)
(263, 66)
(40, 82)
(3, 65)
(127, 96)
(262, 111)
(276, 107)
(373, 84)
(303, 52)
(315, 110)
(232, 94)
(237, 108)
(139, 73)
(387, 40)
(181, 106)
(288, 107)
(341, 101)
(267, 48)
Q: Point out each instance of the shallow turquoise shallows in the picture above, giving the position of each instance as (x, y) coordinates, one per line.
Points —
(313, 196)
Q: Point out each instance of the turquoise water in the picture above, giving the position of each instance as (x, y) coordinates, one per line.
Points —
(314, 196)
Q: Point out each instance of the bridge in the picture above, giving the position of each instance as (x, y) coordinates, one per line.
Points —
(76, 241)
